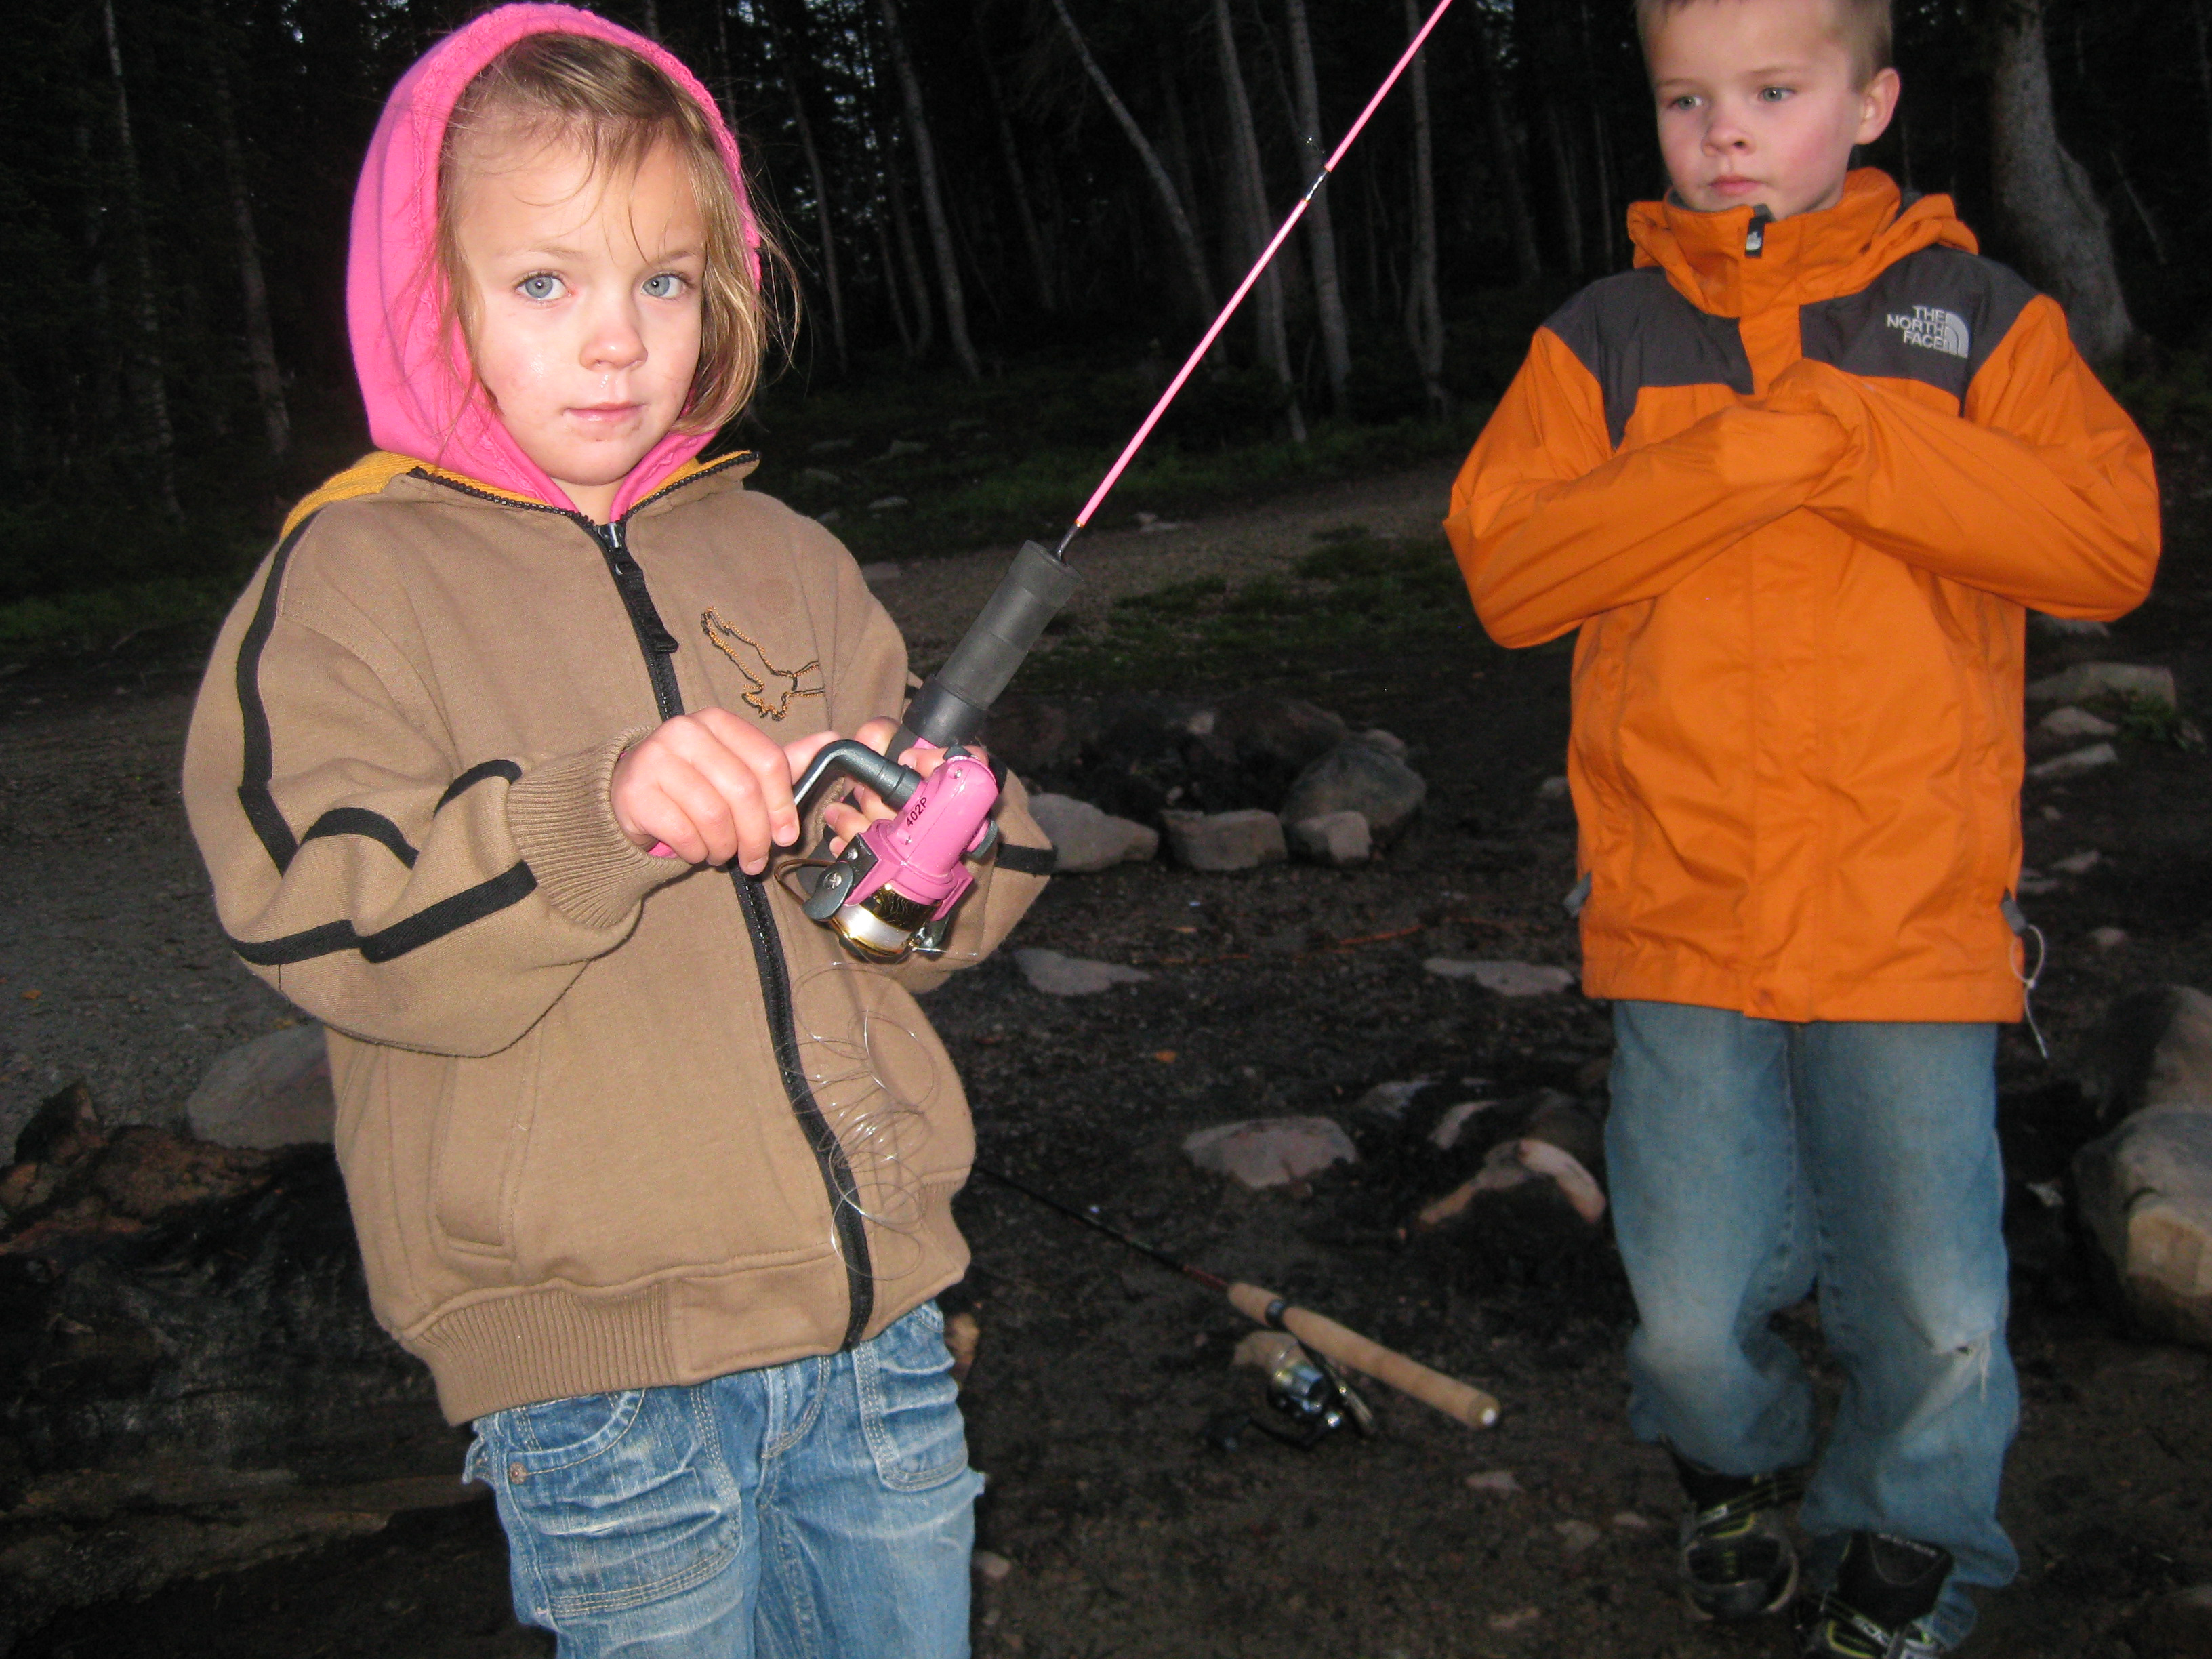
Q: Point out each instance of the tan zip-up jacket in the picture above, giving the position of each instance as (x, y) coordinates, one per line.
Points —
(605, 1122)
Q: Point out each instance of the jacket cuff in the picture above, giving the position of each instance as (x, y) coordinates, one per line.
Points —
(563, 826)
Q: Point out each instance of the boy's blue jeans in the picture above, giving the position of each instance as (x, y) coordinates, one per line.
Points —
(1752, 1160)
(821, 1510)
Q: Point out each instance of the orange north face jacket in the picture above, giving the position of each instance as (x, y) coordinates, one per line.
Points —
(1796, 482)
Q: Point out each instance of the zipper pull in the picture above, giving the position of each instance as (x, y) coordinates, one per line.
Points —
(1754, 241)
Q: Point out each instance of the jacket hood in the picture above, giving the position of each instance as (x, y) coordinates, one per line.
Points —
(1807, 257)
(422, 395)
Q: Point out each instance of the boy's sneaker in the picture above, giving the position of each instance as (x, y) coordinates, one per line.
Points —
(1885, 1591)
(1736, 1559)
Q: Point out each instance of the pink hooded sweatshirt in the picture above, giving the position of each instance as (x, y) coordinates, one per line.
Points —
(423, 397)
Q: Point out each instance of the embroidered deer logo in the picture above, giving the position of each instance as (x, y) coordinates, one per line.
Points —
(785, 682)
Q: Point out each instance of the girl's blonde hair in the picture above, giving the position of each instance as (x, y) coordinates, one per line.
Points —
(617, 107)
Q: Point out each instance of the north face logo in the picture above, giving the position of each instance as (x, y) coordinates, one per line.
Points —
(1933, 328)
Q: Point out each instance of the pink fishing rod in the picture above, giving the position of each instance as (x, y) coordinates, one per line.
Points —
(893, 889)
(950, 708)
(1259, 268)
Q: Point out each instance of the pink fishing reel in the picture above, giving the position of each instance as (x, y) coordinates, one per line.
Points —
(892, 892)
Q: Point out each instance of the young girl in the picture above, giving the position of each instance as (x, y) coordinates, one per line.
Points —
(655, 1181)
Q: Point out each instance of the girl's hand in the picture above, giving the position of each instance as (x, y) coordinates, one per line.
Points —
(711, 788)
(848, 818)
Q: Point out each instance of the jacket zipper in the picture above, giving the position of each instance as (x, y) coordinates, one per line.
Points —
(658, 647)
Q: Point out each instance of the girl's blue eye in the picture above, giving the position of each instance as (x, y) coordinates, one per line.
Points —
(1774, 94)
(665, 286)
(540, 286)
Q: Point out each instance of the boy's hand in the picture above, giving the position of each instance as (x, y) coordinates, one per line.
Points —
(848, 818)
(711, 788)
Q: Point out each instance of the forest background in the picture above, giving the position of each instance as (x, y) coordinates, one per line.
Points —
(1009, 219)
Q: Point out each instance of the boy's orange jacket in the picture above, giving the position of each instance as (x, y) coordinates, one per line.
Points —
(1796, 482)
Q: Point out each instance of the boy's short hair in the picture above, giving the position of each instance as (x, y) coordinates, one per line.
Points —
(617, 106)
(1864, 24)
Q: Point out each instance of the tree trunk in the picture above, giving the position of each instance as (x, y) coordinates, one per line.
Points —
(1252, 187)
(925, 313)
(1600, 144)
(1424, 316)
(833, 284)
(1571, 207)
(1328, 288)
(933, 200)
(260, 335)
(2046, 194)
(1506, 159)
(891, 290)
(154, 390)
(1032, 236)
(1186, 239)
(2203, 67)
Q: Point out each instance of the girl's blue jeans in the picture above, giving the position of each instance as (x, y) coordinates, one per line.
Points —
(1752, 1161)
(820, 1509)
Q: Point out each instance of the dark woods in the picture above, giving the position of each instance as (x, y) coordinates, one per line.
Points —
(968, 187)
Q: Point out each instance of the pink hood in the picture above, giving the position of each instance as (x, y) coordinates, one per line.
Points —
(422, 397)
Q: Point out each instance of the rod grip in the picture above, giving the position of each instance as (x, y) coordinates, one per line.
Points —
(950, 708)
(1454, 1398)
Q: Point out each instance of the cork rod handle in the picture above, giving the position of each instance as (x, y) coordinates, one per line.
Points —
(1454, 1398)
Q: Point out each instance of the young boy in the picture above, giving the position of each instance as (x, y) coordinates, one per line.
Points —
(1796, 477)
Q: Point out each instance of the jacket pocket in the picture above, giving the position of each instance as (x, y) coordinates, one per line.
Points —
(484, 1112)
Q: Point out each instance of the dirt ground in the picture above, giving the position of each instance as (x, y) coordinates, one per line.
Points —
(1125, 1530)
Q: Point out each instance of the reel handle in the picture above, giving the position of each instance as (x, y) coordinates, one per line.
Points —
(1448, 1394)
(880, 772)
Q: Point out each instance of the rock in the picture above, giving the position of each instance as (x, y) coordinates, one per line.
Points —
(2146, 1200)
(1576, 1535)
(821, 475)
(1270, 1151)
(2146, 1188)
(1358, 777)
(1453, 1124)
(1085, 839)
(2072, 722)
(902, 447)
(1226, 841)
(1390, 1099)
(880, 573)
(1073, 976)
(990, 1566)
(1388, 742)
(2032, 881)
(1552, 788)
(2077, 761)
(1630, 1521)
(835, 515)
(2109, 938)
(1151, 524)
(1519, 1619)
(1339, 840)
(1269, 730)
(1497, 1480)
(887, 503)
(1507, 979)
(2099, 679)
(272, 1092)
(2070, 628)
(829, 447)
(2153, 1048)
(2078, 864)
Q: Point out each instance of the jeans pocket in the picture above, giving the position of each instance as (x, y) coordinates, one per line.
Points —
(909, 1404)
(611, 1501)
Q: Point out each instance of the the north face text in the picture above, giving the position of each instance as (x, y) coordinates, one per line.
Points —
(1934, 329)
